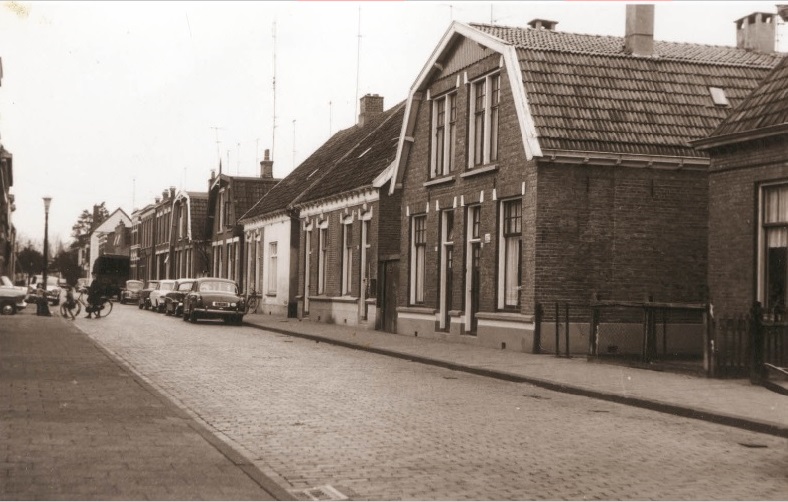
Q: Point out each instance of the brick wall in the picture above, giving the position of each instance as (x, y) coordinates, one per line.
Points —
(513, 173)
(735, 176)
(625, 233)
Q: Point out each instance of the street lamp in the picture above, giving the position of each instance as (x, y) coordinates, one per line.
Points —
(47, 201)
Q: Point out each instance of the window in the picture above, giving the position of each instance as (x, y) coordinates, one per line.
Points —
(510, 253)
(483, 120)
(347, 258)
(272, 272)
(418, 258)
(774, 259)
(444, 126)
(322, 261)
(718, 96)
(181, 222)
(227, 212)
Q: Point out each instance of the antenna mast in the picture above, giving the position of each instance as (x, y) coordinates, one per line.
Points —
(358, 59)
(294, 140)
(273, 128)
(238, 160)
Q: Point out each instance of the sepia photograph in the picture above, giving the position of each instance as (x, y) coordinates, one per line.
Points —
(393, 250)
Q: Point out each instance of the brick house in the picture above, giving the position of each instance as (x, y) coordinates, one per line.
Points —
(539, 166)
(142, 264)
(748, 201)
(189, 248)
(274, 222)
(346, 218)
(229, 197)
(161, 235)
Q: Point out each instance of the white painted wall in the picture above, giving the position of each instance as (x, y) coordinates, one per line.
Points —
(278, 232)
(107, 226)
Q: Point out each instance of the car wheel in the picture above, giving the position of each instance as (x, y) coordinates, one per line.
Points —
(193, 317)
(140, 305)
(167, 310)
(185, 315)
(239, 320)
(8, 308)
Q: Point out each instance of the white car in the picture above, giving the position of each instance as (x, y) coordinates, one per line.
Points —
(157, 295)
(12, 298)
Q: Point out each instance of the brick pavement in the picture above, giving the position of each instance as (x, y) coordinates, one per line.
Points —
(76, 425)
(733, 402)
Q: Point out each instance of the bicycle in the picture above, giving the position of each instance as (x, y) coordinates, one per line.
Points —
(251, 301)
(104, 308)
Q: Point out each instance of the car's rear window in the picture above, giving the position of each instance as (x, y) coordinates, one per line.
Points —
(134, 286)
(218, 286)
(184, 286)
(166, 286)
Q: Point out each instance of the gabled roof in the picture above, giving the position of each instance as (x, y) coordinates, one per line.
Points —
(763, 113)
(246, 191)
(586, 93)
(315, 168)
(363, 163)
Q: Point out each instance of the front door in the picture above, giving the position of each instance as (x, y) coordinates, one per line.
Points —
(473, 250)
(475, 283)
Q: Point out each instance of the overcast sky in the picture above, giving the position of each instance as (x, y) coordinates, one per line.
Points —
(116, 101)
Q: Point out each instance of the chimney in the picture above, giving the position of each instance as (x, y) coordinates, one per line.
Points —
(156, 200)
(213, 176)
(164, 194)
(172, 191)
(542, 24)
(639, 33)
(267, 166)
(371, 105)
(782, 10)
(756, 32)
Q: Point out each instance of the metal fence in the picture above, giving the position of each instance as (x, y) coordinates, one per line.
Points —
(650, 332)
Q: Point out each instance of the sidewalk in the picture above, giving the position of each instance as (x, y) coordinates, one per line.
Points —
(731, 402)
(75, 425)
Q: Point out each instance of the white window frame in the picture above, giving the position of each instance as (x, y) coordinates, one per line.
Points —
(762, 283)
(491, 119)
(503, 272)
(447, 242)
(347, 256)
(418, 258)
(443, 155)
(471, 239)
(322, 257)
(273, 258)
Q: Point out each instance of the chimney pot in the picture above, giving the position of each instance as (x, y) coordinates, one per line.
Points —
(267, 166)
(371, 105)
(542, 24)
(639, 33)
(756, 32)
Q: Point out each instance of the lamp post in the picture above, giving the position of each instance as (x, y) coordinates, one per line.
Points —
(47, 201)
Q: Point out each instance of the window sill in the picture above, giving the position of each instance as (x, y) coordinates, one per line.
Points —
(479, 170)
(412, 309)
(439, 181)
(269, 294)
(334, 299)
(505, 316)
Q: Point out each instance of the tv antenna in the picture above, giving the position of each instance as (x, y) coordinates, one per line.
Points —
(358, 58)
(273, 127)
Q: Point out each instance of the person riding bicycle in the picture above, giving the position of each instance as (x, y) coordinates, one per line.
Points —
(70, 301)
(95, 292)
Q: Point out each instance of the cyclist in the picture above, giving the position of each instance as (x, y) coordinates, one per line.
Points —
(95, 292)
(70, 301)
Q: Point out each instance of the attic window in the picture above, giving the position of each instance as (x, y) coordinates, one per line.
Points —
(364, 152)
(718, 96)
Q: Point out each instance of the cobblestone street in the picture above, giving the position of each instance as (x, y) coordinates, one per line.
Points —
(311, 414)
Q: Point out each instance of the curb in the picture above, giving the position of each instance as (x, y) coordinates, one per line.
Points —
(266, 483)
(772, 429)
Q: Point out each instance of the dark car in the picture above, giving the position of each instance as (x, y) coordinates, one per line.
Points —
(214, 298)
(131, 293)
(144, 298)
(173, 300)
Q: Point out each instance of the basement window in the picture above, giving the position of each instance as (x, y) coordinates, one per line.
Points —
(718, 96)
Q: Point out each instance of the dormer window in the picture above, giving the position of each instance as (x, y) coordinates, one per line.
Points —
(483, 120)
(718, 96)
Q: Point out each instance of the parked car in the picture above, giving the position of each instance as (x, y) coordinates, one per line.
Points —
(173, 300)
(12, 298)
(144, 298)
(52, 288)
(213, 298)
(131, 292)
(157, 295)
